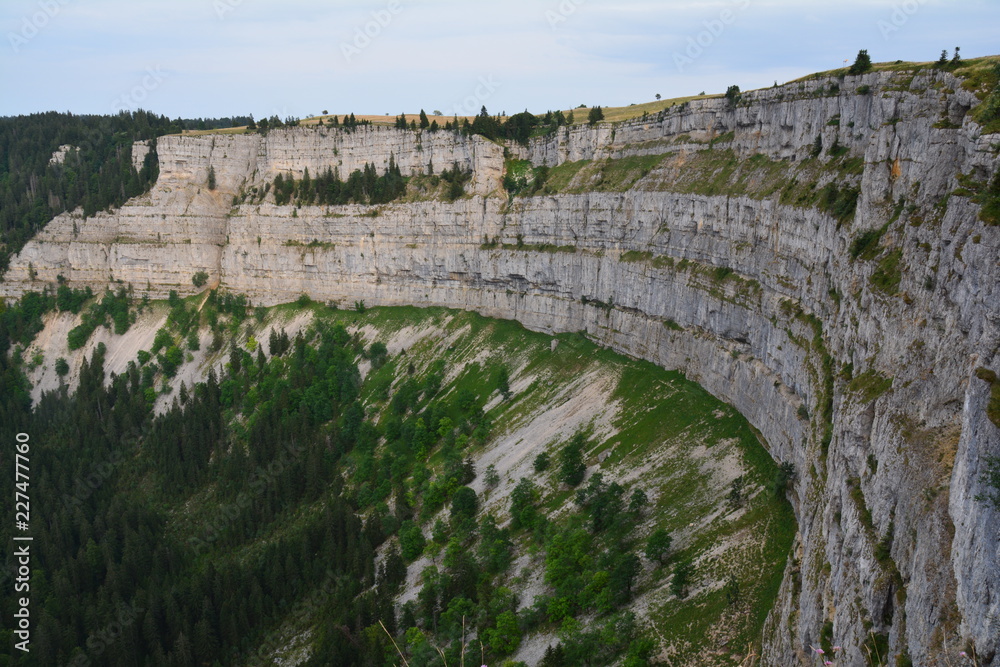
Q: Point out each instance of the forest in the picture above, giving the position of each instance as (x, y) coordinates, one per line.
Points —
(96, 174)
(289, 485)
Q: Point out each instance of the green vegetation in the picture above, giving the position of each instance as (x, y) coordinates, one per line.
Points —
(199, 279)
(869, 385)
(361, 187)
(733, 95)
(989, 199)
(888, 273)
(612, 175)
(113, 307)
(571, 465)
(231, 502)
(559, 177)
(862, 63)
(993, 407)
(521, 178)
(95, 174)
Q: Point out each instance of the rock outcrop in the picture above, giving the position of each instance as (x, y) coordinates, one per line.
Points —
(854, 354)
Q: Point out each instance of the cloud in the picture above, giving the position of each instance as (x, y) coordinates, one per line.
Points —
(228, 57)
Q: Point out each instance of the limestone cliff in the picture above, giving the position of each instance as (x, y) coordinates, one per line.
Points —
(740, 257)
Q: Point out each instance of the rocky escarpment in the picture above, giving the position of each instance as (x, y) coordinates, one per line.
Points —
(840, 298)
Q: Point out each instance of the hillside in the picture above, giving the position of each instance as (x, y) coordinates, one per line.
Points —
(820, 255)
(391, 420)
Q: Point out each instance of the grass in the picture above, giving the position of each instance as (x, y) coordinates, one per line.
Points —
(616, 114)
(617, 175)
(673, 414)
(657, 411)
(888, 273)
(560, 177)
(993, 407)
(869, 385)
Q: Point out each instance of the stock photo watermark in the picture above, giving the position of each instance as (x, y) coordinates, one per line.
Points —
(714, 28)
(471, 105)
(259, 482)
(35, 23)
(132, 100)
(99, 642)
(223, 7)
(901, 14)
(84, 487)
(364, 35)
(562, 13)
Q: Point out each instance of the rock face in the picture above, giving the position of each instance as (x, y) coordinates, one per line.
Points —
(857, 366)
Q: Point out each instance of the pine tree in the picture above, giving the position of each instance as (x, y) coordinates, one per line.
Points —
(862, 64)
(424, 122)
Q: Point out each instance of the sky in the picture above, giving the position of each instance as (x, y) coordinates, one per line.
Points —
(215, 58)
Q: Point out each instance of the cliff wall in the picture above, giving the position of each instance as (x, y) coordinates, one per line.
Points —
(728, 258)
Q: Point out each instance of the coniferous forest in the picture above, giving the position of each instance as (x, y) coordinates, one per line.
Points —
(96, 174)
(291, 488)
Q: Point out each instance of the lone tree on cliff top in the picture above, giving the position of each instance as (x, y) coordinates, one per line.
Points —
(862, 63)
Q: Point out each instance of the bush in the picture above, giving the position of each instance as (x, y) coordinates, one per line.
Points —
(658, 546)
(733, 95)
(464, 505)
(411, 541)
(170, 360)
(682, 577)
(572, 469)
(542, 462)
(199, 279)
(523, 513)
(163, 339)
(62, 367)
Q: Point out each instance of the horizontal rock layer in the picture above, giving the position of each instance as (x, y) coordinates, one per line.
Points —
(760, 301)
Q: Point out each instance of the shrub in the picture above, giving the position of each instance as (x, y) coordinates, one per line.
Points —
(199, 279)
(523, 513)
(733, 95)
(572, 469)
(464, 505)
(163, 339)
(682, 577)
(411, 541)
(862, 63)
(658, 545)
(62, 367)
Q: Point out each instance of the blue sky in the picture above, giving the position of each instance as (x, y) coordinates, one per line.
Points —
(196, 58)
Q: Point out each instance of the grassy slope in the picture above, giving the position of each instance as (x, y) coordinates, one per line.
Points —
(689, 435)
(663, 434)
